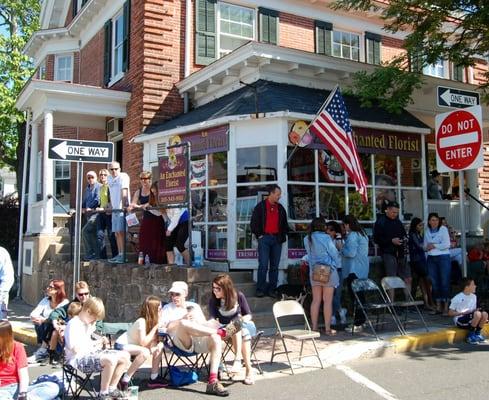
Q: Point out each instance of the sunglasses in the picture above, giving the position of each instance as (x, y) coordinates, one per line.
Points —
(175, 294)
(51, 287)
(144, 179)
(114, 169)
(90, 177)
(102, 174)
(216, 288)
(83, 294)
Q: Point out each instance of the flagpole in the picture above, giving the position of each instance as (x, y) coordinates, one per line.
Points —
(331, 94)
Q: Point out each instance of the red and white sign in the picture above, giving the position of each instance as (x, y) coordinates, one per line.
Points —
(458, 139)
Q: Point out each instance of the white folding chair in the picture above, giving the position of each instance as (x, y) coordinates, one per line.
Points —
(287, 308)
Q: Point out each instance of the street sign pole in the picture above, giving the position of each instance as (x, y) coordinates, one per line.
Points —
(463, 241)
(78, 220)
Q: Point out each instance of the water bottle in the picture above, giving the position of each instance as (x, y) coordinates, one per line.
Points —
(198, 257)
(146, 260)
(140, 258)
(3, 311)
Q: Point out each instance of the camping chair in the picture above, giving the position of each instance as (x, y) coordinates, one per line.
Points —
(389, 285)
(76, 382)
(113, 330)
(370, 299)
(288, 308)
(174, 355)
(228, 346)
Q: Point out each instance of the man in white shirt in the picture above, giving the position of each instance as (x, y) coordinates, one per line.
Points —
(7, 275)
(184, 321)
(119, 199)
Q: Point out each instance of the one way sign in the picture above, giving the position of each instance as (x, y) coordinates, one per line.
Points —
(455, 98)
(81, 150)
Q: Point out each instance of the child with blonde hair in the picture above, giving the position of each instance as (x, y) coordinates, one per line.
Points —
(88, 354)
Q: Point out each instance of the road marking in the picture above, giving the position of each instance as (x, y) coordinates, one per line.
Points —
(364, 381)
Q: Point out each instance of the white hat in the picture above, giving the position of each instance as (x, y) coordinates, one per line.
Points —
(179, 287)
(92, 173)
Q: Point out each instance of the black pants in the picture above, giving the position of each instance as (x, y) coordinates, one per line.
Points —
(359, 315)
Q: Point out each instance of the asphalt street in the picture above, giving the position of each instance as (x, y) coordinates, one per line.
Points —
(454, 372)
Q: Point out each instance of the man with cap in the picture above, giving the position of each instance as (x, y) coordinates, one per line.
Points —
(390, 236)
(185, 322)
(91, 201)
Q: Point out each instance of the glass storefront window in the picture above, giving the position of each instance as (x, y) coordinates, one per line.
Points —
(247, 198)
(218, 169)
(385, 170)
(198, 205)
(302, 202)
(256, 164)
(218, 201)
(198, 170)
(218, 242)
(363, 212)
(412, 204)
(244, 237)
(301, 165)
(410, 171)
(332, 202)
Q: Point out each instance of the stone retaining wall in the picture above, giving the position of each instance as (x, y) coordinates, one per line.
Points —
(123, 287)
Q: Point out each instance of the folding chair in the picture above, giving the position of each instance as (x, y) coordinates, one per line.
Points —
(228, 346)
(369, 297)
(76, 382)
(389, 285)
(287, 308)
(193, 361)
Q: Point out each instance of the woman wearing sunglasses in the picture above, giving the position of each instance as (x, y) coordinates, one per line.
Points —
(226, 304)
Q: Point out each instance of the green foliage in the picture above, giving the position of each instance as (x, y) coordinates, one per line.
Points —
(457, 31)
(18, 20)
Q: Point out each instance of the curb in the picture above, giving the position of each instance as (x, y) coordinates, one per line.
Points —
(24, 335)
(403, 344)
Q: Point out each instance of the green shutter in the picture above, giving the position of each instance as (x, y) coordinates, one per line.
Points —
(74, 7)
(372, 43)
(268, 21)
(416, 61)
(107, 51)
(458, 73)
(205, 31)
(126, 33)
(323, 37)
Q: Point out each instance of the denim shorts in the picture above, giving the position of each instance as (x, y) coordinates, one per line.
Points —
(118, 221)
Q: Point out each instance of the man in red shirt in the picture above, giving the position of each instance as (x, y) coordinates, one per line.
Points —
(269, 225)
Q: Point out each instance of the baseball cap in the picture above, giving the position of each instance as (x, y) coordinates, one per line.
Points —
(179, 287)
(92, 173)
(394, 204)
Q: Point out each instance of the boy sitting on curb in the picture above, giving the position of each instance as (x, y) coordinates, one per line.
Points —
(466, 315)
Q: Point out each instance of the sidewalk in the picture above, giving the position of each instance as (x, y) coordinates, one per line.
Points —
(335, 350)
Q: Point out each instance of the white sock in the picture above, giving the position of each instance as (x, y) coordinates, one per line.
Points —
(126, 378)
(104, 392)
(111, 389)
(154, 376)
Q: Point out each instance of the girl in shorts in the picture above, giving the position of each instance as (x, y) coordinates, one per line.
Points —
(89, 355)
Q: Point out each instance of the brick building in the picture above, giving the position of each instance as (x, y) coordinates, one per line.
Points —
(231, 77)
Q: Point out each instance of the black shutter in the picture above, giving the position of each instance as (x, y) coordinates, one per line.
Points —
(205, 31)
(372, 44)
(416, 61)
(268, 25)
(74, 7)
(107, 51)
(323, 37)
(84, 2)
(126, 33)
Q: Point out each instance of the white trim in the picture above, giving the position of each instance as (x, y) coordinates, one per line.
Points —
(56, 66)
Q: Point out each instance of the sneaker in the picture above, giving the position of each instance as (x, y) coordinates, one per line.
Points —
(259, 294)
(216, 389)
(342, 316)
(233, 327)
(333, 320)
(41, 354)
(480, 338)
(114, 260)
(117, 394)
(472, 338)
(158, 382)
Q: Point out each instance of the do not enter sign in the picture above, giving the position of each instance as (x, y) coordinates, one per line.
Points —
(459, 140)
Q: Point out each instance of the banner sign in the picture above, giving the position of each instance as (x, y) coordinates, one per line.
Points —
(172, 185)
(207, 141)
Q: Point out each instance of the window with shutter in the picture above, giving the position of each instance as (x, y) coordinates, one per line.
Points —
(416, 61)
(323, 37)
(205, 31)
(125, 38)
(372, 48)
(236, 26)
(458, 73)
(269, 25)
(107, 51)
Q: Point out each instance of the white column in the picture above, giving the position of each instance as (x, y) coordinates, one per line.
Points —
(32, 174)
(47, 175)
(472, 179)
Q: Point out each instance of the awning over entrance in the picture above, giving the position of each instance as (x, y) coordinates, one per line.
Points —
(266, 97)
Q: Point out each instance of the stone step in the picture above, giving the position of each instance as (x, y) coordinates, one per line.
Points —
(248, 288)
(265, 320)
(238, 277)
(59, 248)
(260, 304)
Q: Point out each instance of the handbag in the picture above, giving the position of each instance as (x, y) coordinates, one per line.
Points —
(182, 377)
(321, 273)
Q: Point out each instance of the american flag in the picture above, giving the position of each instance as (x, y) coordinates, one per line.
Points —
(332, 126)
